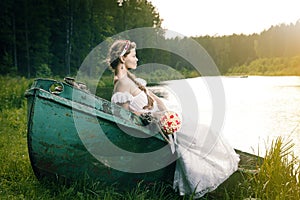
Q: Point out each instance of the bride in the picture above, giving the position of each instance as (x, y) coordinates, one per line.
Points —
(205, 159)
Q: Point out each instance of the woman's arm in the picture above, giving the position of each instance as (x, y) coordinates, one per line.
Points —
(126, 106)
(160, 104)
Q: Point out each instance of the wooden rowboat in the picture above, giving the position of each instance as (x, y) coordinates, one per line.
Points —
(71, 132)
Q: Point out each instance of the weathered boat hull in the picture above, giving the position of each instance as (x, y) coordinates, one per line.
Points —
(70, 133)
(61, 127)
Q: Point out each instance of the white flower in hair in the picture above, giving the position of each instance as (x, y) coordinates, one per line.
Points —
(125, 48)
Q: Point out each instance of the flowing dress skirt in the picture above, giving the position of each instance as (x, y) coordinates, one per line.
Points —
(205, 160)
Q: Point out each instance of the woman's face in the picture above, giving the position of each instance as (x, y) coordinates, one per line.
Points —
(131, 60)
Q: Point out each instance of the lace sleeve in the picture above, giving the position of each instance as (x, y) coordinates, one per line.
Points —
(121, 97)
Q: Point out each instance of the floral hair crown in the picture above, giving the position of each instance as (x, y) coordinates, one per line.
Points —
(125, 48)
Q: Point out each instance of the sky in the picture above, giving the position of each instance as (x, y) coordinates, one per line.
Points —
(225, 17)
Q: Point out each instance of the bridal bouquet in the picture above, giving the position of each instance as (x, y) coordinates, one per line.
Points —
(170, 122)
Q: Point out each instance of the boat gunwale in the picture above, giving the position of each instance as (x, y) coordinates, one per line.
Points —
(85, 108)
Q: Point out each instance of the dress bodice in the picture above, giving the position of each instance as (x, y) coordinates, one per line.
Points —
(136, 103)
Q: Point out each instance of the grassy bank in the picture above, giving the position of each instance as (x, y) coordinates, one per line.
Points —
(276, 179)
(280, 66)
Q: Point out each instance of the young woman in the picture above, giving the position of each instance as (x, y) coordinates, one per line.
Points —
(205, 159)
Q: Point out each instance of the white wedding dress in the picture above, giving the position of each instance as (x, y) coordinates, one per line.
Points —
(205, 159)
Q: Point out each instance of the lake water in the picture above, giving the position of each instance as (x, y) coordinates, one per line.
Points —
(258, 109)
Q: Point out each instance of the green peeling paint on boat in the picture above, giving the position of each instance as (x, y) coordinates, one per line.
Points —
(57, 150)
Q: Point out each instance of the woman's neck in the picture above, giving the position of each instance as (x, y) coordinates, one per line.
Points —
(122, 71)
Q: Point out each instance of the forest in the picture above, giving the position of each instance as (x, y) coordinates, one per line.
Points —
(52, 38)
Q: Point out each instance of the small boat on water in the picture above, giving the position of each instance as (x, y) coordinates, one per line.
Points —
(75, 135)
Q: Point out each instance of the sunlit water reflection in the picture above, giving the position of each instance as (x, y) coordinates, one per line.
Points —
(258, 109)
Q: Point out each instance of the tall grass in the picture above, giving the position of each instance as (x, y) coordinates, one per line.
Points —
(278, 177)
(12, 91)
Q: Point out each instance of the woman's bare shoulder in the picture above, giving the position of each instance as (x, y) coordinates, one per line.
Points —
(123, 85)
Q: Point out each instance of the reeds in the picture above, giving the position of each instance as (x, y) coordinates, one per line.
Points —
(278, 176)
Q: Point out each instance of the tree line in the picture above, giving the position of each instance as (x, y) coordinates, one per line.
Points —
(281, 40)
(279, 44)
(43, 37)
